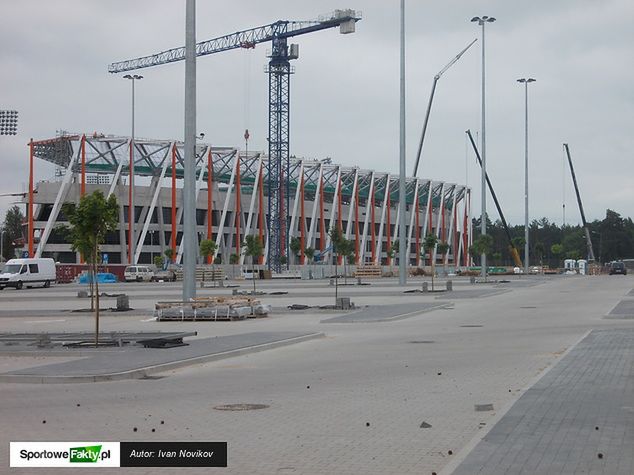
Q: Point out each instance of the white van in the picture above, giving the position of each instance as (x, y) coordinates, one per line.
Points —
(138, 274)
(20, 272)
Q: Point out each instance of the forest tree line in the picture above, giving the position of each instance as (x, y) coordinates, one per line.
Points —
(612, 240)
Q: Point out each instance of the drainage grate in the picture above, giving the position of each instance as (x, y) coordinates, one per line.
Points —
(240, 407)
(471, 326)
(422, 341)
(528, 307)
(151, 378)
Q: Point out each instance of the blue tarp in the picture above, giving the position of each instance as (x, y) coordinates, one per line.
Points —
(102, 278)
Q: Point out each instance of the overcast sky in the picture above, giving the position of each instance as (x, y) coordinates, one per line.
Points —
(345, 93)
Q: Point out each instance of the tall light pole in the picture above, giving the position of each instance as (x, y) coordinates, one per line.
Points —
(483, 150)
(402, 251)
(526, 81)
(189, 178)
(131, 214)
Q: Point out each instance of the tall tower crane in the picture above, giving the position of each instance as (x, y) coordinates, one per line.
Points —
(279, 71)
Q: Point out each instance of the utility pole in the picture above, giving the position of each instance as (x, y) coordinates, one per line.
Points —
(402, 190)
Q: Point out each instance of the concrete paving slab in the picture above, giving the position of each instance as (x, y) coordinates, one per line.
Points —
(136, 362)
(577, 418)
(470, 294)
(623, 310)
(386, 313)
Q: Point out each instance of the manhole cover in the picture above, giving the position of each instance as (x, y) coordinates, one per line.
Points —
(422, 341)
(240, 407)
(471, 326)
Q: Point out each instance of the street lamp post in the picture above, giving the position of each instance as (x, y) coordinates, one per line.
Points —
(402, 190)
(483, 225)
(526, 81)
(131, 214)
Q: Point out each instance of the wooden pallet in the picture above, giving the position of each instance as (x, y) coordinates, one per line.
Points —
(204, 274)
(368, 272)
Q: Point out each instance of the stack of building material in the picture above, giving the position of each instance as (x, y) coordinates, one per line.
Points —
(211, 309)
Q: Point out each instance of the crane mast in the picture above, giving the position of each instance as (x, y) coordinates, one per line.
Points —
(279, 71)
(583, 215)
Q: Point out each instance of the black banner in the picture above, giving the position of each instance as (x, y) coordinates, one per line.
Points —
(173, 454)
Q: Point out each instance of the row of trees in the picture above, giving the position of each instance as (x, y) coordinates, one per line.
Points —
(612, 239)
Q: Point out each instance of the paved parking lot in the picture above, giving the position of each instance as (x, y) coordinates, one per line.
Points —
(394, 397)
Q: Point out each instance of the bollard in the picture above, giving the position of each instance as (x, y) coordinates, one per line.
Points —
(472, 280)
(425, 287)
(332, 282)
(449, 286)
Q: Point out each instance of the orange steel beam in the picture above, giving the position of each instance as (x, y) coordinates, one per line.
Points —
(31, 198)
(430, 228)
(339, 218)
(237, 196)
(388, 227)
(261, 217)
(302, 219)
(356, 226)
(465, 240)
(83, 165)
(373, 233)
(210, 214)
(173, 243)
(443, 236)
(417, 211)
(322, 222)
(455, 233)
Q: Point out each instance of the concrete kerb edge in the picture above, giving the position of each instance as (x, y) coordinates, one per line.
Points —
(160, 368)
(455, 462)
(400, 316)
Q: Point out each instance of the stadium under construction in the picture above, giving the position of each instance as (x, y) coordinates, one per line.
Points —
(232, 194)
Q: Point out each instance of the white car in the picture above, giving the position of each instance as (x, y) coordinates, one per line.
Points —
(20, 272)
(138, 274)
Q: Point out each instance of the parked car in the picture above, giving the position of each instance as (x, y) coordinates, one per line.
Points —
(138, 274)
(164, 275)
(20, 272)
(617, 268)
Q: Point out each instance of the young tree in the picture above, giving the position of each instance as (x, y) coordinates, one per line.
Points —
(539, 250)
(208, 248)
(233, 260)
(12, 228)
(89, 222)
(309, 252)
(443, 248)
(429, 244)
(346, 249)
(482, 245)
(296, 247)
(337, 241)
(159, 262)
(170, 254)
(253, 248)
(557, 250)
(392, 252)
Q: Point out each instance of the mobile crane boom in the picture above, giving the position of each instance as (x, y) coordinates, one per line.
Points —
(513, 250)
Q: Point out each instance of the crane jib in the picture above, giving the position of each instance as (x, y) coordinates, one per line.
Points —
(241, 39)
